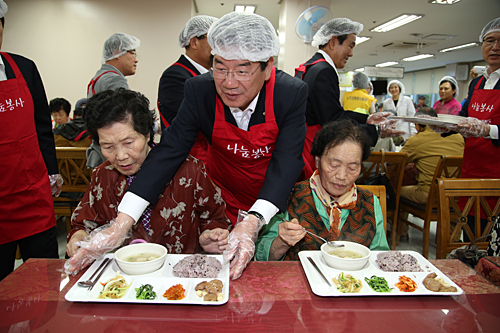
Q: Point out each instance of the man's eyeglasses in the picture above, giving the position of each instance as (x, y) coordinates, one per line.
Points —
(133, 52)
(491, 41)
(242, 76)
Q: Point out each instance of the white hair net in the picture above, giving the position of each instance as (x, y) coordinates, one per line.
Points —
(360, 81)
(492, 26)
(3, 8)
(401, 86)
(117, 45)
(452, 80)
(195, 27)
(336, 27)
(243, 36)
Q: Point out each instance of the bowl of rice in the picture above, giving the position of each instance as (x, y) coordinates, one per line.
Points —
(351, 257)
(141, 258)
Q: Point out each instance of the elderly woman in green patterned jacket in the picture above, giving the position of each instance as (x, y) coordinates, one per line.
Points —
(328, 204)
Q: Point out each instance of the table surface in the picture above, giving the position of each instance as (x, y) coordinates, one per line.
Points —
(270, 296)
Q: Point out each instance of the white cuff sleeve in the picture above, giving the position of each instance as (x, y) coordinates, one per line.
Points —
(133, 205)
(494, 132)
(264, 207)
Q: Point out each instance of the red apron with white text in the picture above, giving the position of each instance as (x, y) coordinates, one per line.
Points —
(200, 148)
(238, 159)
(481, 157)
(26, 206)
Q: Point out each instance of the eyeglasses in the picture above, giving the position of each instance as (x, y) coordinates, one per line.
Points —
(133, 52)
(242, 76)
(490, 42)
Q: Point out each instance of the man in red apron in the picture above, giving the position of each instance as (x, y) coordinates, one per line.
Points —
(196, 61)
(253, 118)
(119, 59)
(27, 148)
(481, 128)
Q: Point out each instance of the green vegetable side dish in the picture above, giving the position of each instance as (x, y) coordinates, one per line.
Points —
(378, 284)
(145, 292)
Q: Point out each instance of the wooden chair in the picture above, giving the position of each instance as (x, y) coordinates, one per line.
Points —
(379, 191)
(448, 167)
(71, 162)
(395, 163)
(475, 190)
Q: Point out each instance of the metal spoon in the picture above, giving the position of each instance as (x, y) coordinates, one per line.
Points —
(330, 243)
(89, 282)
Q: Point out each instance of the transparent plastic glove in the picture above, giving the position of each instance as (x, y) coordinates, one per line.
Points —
(73, 243)
(241, 246)
(56, 183)
(472, 127)
(215, 240)
(388, 127)
(100, 241)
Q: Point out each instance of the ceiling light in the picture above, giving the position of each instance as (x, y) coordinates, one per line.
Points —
(250, 9)
(443, 2)
(464, 46)
(397, 22)
(360, 40)
(242, 8)
(418, 57)
(385, 64)
(239, 8)
(362, 69)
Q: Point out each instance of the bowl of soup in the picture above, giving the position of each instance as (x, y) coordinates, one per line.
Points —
(141, 258)
(351, 257)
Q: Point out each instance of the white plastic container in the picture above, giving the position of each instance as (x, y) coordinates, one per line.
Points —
(144, 267)
(346, 263)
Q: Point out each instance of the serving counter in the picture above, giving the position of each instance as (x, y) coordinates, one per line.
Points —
(269, 297)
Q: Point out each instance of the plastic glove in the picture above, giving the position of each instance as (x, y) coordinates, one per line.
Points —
(387, 126)
(56, 183)
(241, 246)
(74, 242)
(100, 241)
(472, 127)
(215, 240)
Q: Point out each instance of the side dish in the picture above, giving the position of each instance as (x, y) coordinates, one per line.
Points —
(433, 283)
(378, 284)
(175, 293)
(114, 288)
(406, 284)
(210, 291)
(347, 283)
(145, 291)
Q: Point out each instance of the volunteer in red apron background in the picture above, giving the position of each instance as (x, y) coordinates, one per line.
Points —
(27, 148)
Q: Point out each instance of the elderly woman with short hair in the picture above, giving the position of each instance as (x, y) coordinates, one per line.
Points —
(328, 204)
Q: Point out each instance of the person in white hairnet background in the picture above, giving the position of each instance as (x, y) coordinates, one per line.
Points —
(194, 62)
(119, 59)
(253, 118)
(29, 175)
(448, 90)
(400, 105)
(336, 40)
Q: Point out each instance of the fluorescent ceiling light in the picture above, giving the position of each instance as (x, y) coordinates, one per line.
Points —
(242, 8)
(418, 57)
(443, 2)
(464, 46)
(239, 8)
(250, 9)
(362, 69)
(385, 64)
(360, 40)
(397, 22)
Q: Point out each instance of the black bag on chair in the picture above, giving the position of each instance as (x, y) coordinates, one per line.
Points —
(382, 179)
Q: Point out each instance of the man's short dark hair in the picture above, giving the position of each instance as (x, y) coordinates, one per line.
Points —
(421, 97)
(340, 38)
(336, 133)
(117, 106)
(427, 111)
(58, 104)
(78, 112)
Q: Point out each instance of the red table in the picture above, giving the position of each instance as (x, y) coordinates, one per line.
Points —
(269, 297)
(489, 267)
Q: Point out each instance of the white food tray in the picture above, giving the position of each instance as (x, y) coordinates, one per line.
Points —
(161, 280)
(442, 120)
(320, 288)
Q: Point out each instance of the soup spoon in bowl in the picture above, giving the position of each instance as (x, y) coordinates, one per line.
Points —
(330, 243)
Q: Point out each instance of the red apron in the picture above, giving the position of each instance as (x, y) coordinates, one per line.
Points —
(94, 81)
(309, 163)
(481, 157)
(200, 148)
(238, 159)
(26, 206)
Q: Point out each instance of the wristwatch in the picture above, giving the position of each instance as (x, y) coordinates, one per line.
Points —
(259, 217)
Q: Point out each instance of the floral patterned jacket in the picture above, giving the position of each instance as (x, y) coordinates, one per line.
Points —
(189, 205)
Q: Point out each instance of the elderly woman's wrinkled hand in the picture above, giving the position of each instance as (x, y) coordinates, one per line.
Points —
(215, 240)
(472, 127)
(291, 232)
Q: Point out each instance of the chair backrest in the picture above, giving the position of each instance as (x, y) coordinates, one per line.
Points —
(71, 162)
(448, 167)
(379, 191)
(475, 191)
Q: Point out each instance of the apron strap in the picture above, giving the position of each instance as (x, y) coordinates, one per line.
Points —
(93, 82)
(305, 66)
(186, 68)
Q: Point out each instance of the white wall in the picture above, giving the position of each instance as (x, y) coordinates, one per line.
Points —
(65, 38)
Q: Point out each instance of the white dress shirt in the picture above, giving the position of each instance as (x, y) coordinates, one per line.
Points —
(196, 65)
(3, 75)
(491, 81)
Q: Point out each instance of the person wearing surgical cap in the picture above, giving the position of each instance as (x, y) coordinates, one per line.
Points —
(195, 61)
(358, 100)
(253, 118)
(400, 105)
(336, 40)
(119, 59)
(29, 174)
(481, 125)
(448, 90)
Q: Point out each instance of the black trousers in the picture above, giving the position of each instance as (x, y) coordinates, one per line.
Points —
(41, 245)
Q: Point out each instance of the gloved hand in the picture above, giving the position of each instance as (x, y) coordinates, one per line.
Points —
(472, 127)
(74, 242)
(387, 126)
(56, 183)
(241, 247)
(100, 241)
